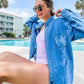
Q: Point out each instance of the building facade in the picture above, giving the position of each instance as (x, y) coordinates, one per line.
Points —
(11, 23)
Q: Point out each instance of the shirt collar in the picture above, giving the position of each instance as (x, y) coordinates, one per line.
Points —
(48, 22)
(39, 26)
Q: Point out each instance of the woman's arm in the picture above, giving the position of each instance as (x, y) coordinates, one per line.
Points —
(29, 23)
(74, 23)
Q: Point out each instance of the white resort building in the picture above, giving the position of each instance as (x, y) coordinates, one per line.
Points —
(11, 23)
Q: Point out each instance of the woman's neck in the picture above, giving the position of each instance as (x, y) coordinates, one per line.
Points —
(45, 19)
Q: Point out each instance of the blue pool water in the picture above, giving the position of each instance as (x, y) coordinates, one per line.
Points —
(26, 43)
(78, 46)
(17, 42)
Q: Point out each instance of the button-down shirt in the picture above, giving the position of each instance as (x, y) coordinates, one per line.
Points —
(59, 32)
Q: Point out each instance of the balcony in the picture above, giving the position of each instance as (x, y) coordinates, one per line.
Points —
(6, 19)
(2, 19)
(9, 20)
(4, 25)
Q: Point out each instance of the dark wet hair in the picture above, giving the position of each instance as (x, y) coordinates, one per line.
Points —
(49, 4)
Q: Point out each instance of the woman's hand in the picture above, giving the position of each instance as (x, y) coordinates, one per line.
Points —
(58, 12)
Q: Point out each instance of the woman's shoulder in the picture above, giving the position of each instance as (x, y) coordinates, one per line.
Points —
(59, 20)
(59, 23)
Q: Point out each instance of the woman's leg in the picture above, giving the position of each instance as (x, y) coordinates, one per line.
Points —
(11, 57)
(24, 73)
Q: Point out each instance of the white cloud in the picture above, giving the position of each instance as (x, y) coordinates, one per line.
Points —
(11, 1)
(24, 15)
(17, 12)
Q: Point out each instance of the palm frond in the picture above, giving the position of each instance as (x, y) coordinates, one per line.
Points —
(3, 3)
(81, 0)
(83, 3)
(78, 5)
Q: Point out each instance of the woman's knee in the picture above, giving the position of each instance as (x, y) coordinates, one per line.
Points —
(4, 55)
(12, 57)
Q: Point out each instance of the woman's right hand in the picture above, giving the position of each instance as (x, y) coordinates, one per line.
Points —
(58, 12)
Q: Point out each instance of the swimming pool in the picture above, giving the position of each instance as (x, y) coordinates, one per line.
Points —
(26, 43)
(78, 46)
(16, 42)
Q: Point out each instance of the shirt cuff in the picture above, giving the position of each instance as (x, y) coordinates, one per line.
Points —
(35, 17)
(64, 12)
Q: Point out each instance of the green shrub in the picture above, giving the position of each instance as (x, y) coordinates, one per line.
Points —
(7, 34)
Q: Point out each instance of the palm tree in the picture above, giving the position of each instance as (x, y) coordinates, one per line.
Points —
(80, 5)
(3, 3)
(27, 31)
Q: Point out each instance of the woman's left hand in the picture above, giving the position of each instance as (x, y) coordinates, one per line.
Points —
(58, 12)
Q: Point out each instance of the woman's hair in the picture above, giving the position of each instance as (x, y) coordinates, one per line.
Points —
(49, 4)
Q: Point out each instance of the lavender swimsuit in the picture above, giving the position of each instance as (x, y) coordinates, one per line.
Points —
(41, 51)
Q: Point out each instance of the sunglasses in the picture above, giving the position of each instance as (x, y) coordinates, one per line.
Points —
(39, 8)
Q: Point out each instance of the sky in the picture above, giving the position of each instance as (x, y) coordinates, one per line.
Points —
(24, 8)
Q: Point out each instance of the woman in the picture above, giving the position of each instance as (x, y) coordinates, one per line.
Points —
(50, 47)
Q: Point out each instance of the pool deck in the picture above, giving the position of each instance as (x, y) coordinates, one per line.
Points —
(78, 60)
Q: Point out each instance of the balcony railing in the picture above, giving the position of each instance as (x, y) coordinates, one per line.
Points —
(2, 17)
(4, 25)
(9, 19)
(5, 19)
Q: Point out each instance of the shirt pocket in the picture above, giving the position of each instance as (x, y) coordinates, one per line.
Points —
(60, 41)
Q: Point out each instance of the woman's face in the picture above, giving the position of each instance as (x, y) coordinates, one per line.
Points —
(45, 13)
